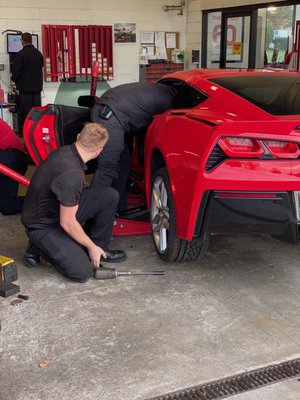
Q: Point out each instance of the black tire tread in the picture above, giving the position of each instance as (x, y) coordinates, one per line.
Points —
(194, 250)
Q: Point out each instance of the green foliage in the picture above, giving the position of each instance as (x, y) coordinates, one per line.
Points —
(282, 18)
(269, 34)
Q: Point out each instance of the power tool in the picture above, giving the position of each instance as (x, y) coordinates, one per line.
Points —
(110, 273)
(8, 274)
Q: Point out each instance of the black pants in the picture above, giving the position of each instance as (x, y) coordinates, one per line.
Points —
(114, 161)
(97, 210)
(10, 202)
(26, 100)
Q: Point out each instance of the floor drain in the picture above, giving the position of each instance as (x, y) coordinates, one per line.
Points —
(236, 384)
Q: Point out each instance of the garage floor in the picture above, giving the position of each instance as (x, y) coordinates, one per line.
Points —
(134, 338)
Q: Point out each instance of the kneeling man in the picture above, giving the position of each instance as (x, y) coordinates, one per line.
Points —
(68, 223)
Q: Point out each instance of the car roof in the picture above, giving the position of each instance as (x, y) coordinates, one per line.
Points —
(195, 74)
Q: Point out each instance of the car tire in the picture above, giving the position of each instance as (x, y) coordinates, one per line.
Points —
(163, 222)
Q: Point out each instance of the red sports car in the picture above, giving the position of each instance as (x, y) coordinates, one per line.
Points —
(225, 159)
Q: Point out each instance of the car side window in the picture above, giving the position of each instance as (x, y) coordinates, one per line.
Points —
(275, 94)
(188, 97)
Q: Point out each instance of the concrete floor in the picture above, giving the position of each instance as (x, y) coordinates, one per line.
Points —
(133, 338)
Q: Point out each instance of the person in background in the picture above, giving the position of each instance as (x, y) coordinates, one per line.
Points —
(27, 73)
(14, 156)
(126, 108)
(68, 223)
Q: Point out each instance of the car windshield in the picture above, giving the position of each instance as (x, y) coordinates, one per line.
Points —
(275, 94)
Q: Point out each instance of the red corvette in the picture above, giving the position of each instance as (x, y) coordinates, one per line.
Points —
(225, 159)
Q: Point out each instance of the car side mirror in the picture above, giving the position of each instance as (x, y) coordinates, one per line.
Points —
(87, 101)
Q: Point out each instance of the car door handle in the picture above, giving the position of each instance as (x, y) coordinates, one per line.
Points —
(178, 112)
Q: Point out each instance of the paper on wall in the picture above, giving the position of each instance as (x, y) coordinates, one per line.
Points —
(171, 40)
(160, 45)
(147, 37)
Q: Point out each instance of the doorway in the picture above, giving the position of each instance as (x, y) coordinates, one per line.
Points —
(253, 36)
(230, 39)
(235, 41)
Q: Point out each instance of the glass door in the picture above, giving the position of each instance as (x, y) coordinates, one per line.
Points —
(230, 39)
(235, 41)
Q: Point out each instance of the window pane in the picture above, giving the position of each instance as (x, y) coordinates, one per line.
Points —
(274, 35)
(277, 95)
(188, 97)
(213, 39)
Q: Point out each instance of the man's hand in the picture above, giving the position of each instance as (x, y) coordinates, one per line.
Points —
(73, 228)
(95, 254)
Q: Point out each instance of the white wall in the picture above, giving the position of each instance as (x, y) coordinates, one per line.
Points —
(29, 15)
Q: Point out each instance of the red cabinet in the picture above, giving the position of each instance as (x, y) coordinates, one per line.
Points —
(154, 71)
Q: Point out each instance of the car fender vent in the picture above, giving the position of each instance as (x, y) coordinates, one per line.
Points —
(236, 384)
(216, 157)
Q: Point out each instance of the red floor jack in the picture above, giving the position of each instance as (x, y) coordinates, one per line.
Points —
(127, 224)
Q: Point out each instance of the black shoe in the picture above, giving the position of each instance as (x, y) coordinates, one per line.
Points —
(114, 256)
(31, 257)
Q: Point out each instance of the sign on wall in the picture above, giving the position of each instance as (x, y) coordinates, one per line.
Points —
(125, 33)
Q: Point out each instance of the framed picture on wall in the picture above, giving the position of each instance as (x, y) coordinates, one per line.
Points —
(125, 32)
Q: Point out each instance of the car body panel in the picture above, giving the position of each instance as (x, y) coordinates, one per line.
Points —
(183, 140)
(186, 137)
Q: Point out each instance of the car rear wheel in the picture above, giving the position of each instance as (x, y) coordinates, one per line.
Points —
(163, 221)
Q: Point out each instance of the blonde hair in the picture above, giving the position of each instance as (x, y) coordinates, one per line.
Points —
(93, 136)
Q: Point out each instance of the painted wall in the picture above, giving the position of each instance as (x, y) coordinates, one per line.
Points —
(147, 14)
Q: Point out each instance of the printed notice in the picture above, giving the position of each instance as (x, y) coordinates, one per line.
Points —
(171, 40)
(147, 37)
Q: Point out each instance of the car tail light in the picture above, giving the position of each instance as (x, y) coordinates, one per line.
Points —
(281, 149)
(241, 147)
(245, 147)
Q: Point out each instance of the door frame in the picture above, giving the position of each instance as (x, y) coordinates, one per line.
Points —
(252, 35)
(226, 13)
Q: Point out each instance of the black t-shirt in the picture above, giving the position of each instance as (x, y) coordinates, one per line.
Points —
(60, 179)
(135, 104)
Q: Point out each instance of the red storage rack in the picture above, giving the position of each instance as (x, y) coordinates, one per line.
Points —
(71, 50)
(156, 71)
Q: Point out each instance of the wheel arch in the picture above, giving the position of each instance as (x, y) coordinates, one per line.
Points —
(157, 161)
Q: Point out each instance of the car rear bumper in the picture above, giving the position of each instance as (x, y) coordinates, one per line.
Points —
(249, 212)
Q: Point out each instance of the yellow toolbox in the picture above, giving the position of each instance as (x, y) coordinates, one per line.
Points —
(8, 269)
(8, 274)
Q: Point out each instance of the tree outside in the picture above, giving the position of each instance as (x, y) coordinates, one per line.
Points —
(279, 25)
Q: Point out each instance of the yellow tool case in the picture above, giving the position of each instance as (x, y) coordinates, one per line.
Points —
(8, 274)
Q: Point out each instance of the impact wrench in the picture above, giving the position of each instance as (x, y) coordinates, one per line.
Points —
(110, 273)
